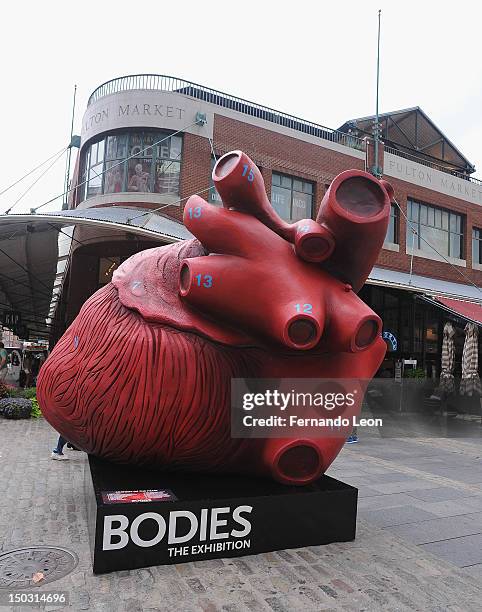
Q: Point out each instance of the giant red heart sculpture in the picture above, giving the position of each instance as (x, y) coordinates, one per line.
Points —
(143, 374)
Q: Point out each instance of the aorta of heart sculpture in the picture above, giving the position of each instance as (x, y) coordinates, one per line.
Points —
(143, 374)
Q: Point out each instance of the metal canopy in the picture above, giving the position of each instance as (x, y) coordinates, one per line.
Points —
(411, 130)
(34, 249)
(423, 284)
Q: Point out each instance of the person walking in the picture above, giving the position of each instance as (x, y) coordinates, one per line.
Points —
(353, 437)
(3, 362)
(58, 452)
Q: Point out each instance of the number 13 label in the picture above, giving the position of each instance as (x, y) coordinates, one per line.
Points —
(204, 280)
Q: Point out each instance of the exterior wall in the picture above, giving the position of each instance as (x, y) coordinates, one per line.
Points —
(423, 265)
(277, 152)
(195, 170)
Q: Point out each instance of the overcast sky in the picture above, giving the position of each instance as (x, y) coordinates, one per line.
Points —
(314, 59)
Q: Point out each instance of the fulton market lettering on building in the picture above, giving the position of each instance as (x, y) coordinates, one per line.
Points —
(432, 179)
(151, 109)
(134, 110)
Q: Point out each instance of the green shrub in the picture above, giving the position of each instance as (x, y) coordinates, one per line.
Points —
(415, 373)
(36, 412)
(29, 393)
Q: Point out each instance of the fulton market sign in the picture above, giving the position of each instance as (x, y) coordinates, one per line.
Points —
(410, 171)
(148, 109)
(135, 110)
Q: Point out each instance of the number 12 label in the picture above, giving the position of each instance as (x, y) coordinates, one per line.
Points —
(307, 308)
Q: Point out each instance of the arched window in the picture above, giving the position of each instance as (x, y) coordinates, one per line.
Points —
(132, 162)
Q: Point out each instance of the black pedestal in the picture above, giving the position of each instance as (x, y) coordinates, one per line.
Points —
(139, 518)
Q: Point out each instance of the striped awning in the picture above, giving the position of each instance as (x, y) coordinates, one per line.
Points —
(468, 311)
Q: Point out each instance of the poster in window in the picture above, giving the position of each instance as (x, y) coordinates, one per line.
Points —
(167, 177)
(301, 206)
(149, 139)
(214, 197)
(163, 148)
(135, 145)
(139, 175)
(280, 199)
(114, 177)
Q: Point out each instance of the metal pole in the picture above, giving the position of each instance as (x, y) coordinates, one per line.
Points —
(377, 134)
(69, 154)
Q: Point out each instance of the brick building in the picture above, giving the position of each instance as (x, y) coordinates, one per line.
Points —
(149, 142)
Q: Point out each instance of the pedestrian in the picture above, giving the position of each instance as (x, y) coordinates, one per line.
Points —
(27, 368)
(58, 452)
(353, 437)
(3, 362)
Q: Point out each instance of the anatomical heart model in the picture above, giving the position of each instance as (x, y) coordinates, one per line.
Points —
(143, 374)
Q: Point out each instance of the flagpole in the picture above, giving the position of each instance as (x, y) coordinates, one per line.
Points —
(377, 127)
(69, 154)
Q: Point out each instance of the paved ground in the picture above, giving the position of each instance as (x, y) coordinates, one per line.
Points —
(418, 547)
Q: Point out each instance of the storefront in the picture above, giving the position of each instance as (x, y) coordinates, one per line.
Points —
(413, 326)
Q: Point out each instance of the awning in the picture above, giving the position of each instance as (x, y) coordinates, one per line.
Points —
(424, 285)
(468, 311)
(34, 250)
(28, 265)
(120, 218)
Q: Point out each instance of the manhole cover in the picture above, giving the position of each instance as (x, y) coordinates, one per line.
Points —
(36, 566)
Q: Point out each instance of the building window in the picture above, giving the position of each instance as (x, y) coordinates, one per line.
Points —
(154, 167)
(442, 229)
(214, 197)
(292, 198)
(476, 245)
(392, 230)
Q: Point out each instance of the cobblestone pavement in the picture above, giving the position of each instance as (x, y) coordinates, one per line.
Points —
(418, 546)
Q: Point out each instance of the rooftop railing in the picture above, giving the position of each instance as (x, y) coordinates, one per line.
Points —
(166, 83)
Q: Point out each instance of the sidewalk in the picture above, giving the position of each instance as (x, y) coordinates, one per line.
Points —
(418, 546)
